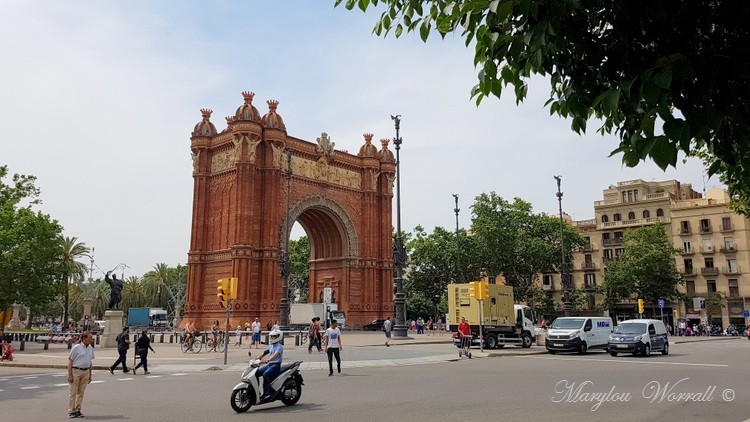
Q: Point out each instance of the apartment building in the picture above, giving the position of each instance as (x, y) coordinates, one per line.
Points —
(713, 240)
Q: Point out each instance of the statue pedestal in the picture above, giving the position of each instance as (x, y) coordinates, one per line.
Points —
(15, 320)
(112, 327)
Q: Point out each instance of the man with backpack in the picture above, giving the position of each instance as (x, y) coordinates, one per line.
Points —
(123, 344)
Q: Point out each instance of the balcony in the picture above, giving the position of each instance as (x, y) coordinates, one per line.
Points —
(589, 286)
(689, 272)
(686, 252)
(589, 248)
(546, 287)
(705, 229)
(727, 227)
(709, 271)
(636, 222)
(588, 266)
(612, 242)
(729, 249)
(708, 249)
(685, 230)
(733, 270)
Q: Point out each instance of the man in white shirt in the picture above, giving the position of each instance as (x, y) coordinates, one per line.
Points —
(387, 329)
(256, 333)
(79, 373)
(333, 346)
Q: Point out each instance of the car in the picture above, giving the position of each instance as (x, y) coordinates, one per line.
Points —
(375, 325)
(639, 336)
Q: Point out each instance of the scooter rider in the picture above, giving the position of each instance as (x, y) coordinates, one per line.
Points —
(275, 352)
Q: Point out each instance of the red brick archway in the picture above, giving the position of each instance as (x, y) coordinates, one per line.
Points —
(343, 201)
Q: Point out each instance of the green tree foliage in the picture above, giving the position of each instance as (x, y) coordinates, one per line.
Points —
(72, 269)
(30, 245)
(664, 76)
(513, 241)
(645, 270)
(432, 263)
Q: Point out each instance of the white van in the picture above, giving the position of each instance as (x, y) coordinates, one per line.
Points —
(578, 334)
(639, 336)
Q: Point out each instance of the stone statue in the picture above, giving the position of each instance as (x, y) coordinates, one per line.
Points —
(116, 288)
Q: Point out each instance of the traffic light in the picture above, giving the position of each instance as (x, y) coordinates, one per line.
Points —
(473, 289)
(222, 291)
(484, 290)
(233, 288)
(676, 314)
(640, 306)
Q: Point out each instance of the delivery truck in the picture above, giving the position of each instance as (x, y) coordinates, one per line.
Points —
(152, 318)
(503, 322)
(300, 314)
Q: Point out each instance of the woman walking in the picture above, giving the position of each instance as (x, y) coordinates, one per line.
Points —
(142, 346)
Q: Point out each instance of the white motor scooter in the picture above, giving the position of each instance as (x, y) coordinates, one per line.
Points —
(287, 386)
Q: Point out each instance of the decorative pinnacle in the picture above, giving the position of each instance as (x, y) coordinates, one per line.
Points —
(368, 137)
(385, 142)
(272, 104)
(230, 119)
(206, 113)
(248, 96)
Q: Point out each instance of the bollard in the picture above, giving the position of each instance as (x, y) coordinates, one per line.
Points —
(23, 344)
(161, 338)
(97, 339)
(171, 337)
(46, 344)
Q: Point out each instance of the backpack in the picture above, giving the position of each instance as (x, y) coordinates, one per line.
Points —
(311, 329)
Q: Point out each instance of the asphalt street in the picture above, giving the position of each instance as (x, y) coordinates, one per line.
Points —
(703, 381)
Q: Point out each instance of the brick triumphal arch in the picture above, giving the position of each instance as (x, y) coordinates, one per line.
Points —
(343, 201)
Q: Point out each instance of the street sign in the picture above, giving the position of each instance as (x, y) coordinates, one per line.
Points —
(699, 303)
(661, 303)
(327, 294)
(746, 313)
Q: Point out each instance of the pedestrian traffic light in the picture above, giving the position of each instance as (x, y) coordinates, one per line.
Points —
(473, 289)
(233, 288)
(222, 291)
(483, 290)
(640, 306)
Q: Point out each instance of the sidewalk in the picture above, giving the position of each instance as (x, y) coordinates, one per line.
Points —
(169, 357)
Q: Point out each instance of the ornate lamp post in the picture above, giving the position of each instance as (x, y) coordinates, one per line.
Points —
(399, 251)
(459, 275)
(286, 265)
(564, 276)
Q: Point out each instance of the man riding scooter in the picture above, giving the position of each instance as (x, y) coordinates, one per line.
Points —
(270, 371)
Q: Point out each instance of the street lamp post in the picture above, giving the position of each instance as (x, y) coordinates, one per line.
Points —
(564, 277)
(286, 265)
(459, 275)
(399, 251)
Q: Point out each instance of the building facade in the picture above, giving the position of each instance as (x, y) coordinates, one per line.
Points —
(714, 244)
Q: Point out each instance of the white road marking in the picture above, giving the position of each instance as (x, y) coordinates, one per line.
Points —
(30, 377)
(125, 379)
(97, 382)
(627, 361)
(153, 376)
(30, 388)
(61, 385)
(178, 375)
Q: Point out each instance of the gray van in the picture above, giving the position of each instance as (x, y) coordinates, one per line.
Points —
(639, 336)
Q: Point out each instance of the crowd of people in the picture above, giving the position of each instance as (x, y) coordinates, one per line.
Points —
(429, 327)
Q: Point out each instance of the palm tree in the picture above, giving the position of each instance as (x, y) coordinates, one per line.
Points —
(133, 293)
(71, 252)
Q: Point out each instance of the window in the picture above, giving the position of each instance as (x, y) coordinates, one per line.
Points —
(547, 281)
(690, 287)
(630, 196)
(726, 223)
(646, 214)
(624, 195)
(635, 195)
(631, 215)
(708, 244)
(608, 254)
(734, 289)
(618, 235)
(709, 262)
(688, 266)
(705, 226)
(589, 280)
(686, 247)
(731, 266)
(711, 286)
(605, 219)
(660, 212)
(729, 243)
(605, 236)
(592, 302)
(619, 252)
(684, 227)
(616, 217)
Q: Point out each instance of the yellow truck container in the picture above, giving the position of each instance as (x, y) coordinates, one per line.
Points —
(503, 322)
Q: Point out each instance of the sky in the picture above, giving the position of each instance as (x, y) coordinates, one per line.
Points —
(98, 101)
